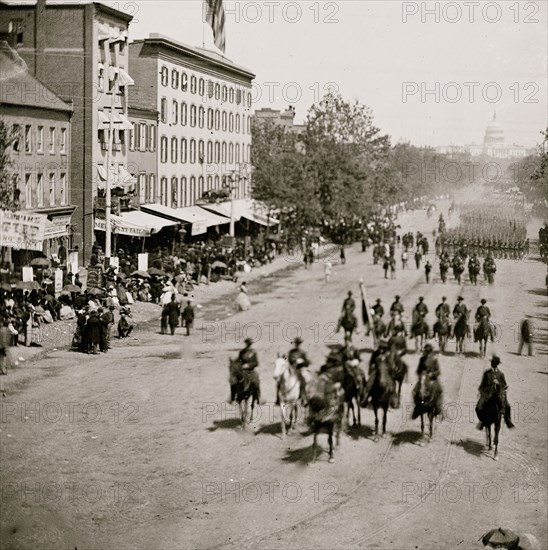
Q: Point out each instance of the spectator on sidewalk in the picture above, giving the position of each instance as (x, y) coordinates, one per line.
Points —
(526, 336)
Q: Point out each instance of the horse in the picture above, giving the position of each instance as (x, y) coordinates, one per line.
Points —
(482, 333)
(442, 330)
(348, 321)
(398, 348)
(419, 329)
(490, 414)
(378, 328)
(428, 400)
(383, 390)
(444, 268)
(461, 331)
(244, 385)
(289, 391)
(325, 412)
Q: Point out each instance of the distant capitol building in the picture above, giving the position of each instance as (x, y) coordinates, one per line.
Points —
(494, 145)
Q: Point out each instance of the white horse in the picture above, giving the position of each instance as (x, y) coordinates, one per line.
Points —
(289, 392)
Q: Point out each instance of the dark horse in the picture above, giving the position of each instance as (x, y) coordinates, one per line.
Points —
(325, 411)
(442, 329)
(419, 330)
(482, 333)
(348, 321)
(383, 391)
(461, 331)
(398, 348)
(491, 413)
(428, 400)
(244, 385)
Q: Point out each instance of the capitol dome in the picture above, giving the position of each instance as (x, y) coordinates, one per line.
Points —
(493, 133)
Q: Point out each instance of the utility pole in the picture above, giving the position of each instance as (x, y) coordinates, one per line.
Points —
(107, 183)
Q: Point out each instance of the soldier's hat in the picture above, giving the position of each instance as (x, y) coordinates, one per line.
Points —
(397, 297)
(421, 298)
(483, 301)
(298, 341)
(248, 341)
(428, 347)
(378, 300)
(444, 297)
(460, 298)
(495, 360)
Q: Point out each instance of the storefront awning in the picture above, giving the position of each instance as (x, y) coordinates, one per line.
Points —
(120, 121)
(118, 178)
(124, 78)
(194, 215)
(122, 226)
(140, 218)
(243, 208)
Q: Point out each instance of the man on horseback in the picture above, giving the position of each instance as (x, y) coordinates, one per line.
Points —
(378, 309)
(382, 350)
(428, 364)
(443, 308)
(351, 361)
(396, 307)
(249, 362)
(460, 309)
(297, 359)
(494, 380)
(421, 308)
(349, 304)
(483, 314)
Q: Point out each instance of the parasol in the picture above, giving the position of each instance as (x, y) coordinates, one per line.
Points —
(218, 265)
(40, 262)
(500, 537)
(72, 288)
(95, 291)
(156, 271)
(142, 274)
(28, 285)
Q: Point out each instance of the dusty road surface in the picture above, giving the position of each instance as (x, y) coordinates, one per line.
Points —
(139, 449)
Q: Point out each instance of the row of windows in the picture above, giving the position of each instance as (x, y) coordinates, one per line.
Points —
(118, 139)
(198, 85)
(216, 119)
(142, 137)
(193, 150)
(181, 192)
(29, 139)
(38, 186)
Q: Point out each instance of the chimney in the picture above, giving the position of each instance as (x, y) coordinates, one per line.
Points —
(40, 39)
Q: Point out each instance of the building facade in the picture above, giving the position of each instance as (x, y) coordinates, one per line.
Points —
(204, 129)
(79, 51)
(40, 154)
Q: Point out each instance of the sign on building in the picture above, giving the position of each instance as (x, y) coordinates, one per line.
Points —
(22, 231)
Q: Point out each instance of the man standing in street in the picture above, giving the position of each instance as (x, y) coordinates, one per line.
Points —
(526, 336)
(427, 270)
(187, 317)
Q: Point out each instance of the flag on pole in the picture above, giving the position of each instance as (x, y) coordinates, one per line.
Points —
(215, 16)
(366, 312)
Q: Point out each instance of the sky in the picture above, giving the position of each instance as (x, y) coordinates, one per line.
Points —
(433, 73)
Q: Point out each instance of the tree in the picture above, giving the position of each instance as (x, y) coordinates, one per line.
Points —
(9, 181)
(531, 173)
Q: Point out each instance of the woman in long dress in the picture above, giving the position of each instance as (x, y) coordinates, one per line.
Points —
(242, 301)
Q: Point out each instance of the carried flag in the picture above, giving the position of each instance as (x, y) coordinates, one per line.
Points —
(215, 16)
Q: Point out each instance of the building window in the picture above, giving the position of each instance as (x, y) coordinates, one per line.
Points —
(231, 122)
(237, 124)
(175, 112)
(237, 153)
(223, 126)
(224, 93)
(183, 150)
(201, 158)
(63, 190)
(52, 140)
(209, 182)
(40, 140)
(174, 78)
(209, 152)
(192, 151)
(217, 152)
(243, 124)
(201, 116)
(52, 188)
(192, 84)
(165, 76)
(193, 116)
(249, 125)
(210, 119)
(152, 138)
(142, 136)
(163, 149)
(17, 136)
(249, 100)
(238, 97)
(201, 87)
(193, 190)
(40, 190)
(163, 110)
(174, 149)
(200, 186)
(217, 182)
(152, 188)
(28, 139)
(210, 88)
(230, 153)
(231, 95)
(249, 153)
(163, 191)
(217, 92)
(174, 193)
(141, 184)
(183, 193)
(217, 119)
(183, 114)
(63, 141)
(184, 82)
(132, 137)
(223, 151)
(28, 190)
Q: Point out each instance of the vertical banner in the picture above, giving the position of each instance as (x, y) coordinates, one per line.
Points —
(115, 263)
(142, 262)
(72, 262)
(28, 274)
(58, 281)
(366, 310)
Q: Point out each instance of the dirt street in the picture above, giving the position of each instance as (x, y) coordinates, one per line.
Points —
(139, 448)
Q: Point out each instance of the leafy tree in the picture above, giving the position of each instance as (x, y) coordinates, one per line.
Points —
(9, 182)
